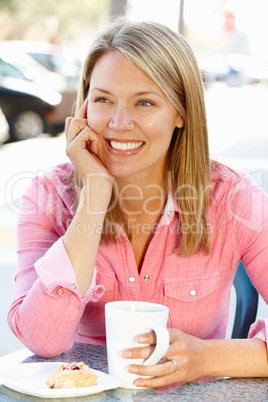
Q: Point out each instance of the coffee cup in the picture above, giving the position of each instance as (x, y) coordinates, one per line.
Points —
(125, 320)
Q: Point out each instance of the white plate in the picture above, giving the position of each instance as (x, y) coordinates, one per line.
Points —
(30, 379)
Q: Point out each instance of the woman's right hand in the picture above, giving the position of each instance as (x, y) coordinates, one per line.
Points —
(81, 148)
(82, 238)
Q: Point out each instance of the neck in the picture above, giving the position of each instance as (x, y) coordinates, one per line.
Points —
(146, 196)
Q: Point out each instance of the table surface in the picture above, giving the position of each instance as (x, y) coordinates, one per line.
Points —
(239, 389)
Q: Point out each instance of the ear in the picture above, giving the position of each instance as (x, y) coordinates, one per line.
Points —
(180, 121)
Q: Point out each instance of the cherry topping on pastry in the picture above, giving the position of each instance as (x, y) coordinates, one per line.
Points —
(73, 367)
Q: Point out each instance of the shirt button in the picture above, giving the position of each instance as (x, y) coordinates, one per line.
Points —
(60, 292)
(146, 277)
(192, 292)
(169, 213)
(131, 279)
(93, 292)
(74, 286)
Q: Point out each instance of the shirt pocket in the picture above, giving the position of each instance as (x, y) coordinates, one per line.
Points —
(193, 303)
(92, 323)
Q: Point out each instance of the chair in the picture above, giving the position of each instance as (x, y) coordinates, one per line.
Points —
(246, 304)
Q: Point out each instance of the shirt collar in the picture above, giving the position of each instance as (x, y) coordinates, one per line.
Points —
(170, 209)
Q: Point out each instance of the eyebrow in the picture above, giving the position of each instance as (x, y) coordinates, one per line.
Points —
(140, 93)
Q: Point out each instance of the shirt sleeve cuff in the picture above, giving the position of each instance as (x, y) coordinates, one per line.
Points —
(259, 329)
(55, 270)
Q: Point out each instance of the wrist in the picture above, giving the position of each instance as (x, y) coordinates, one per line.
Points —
(210, 360)
(94, 203)
(236, 358)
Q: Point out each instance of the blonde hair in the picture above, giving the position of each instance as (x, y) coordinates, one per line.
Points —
(166, 58)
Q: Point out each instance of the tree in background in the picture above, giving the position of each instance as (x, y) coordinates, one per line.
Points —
(55, 21)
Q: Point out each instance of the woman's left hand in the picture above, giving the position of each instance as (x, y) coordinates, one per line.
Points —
(186, 350)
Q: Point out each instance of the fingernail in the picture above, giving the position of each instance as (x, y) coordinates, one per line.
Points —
(133, 369)
(142, 339)
(126, 354)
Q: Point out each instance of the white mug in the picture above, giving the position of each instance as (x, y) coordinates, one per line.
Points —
(125, 320)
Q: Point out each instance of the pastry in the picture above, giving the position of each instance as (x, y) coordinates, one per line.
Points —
(69, 375)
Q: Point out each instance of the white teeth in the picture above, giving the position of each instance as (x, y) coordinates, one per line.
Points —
(125, 145)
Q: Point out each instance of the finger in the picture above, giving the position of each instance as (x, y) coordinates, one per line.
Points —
(82, 113)
(93, 145)
(157, 370)
(85, 139)
(138, 353)
(149, 337)
(68, 121)
(73, 127)
(158, 381)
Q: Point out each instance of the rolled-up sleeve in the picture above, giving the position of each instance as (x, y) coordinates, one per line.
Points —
(56, 272)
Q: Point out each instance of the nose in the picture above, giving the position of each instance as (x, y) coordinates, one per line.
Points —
(121, 119)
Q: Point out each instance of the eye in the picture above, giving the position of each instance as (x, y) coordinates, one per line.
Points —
(144, 103)
(101, 100)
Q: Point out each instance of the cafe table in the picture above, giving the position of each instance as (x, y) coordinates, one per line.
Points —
(228, 389)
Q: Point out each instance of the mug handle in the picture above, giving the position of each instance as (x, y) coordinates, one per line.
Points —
(162, 344)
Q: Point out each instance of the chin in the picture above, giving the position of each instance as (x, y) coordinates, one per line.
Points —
(121, 172)
(122, 175)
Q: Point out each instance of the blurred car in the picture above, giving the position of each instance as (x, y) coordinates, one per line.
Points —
(20, 66)
(29, 109)
(55, 59)
(4, 128)
(13, 53)
(233, 69)
(28, 68)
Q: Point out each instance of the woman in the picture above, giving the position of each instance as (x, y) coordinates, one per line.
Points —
(141, 213)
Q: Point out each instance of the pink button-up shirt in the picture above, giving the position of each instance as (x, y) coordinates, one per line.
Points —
(47, 313)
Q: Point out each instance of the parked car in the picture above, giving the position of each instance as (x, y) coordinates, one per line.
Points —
(55, 59)
(4, 128)
(233, 69)
(29, 68)
(29, 109)
(19, 72)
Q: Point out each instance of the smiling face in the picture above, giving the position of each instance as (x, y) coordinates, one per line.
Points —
(132, 116)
